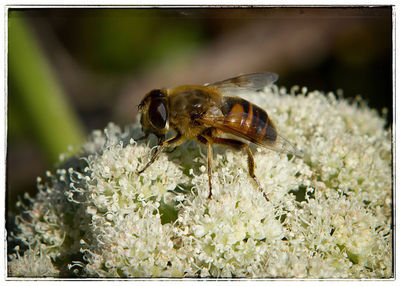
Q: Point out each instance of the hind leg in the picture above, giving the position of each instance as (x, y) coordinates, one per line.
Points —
(237, 145)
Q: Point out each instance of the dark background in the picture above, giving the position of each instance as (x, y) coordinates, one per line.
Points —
(105, 60)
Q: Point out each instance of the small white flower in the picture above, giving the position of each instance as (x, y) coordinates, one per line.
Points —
(329, 213)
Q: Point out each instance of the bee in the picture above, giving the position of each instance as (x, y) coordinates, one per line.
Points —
(212, 114)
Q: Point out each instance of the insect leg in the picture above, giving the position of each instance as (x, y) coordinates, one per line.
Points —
(238, 145)
(207, 141)
(209, 167)
(176, 140)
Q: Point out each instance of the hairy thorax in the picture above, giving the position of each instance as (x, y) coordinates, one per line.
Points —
(187, 105)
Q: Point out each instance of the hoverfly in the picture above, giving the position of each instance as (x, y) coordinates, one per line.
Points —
(207, 113)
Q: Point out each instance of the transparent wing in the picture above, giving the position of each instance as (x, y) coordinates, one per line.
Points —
(278, 144)
(249, 82)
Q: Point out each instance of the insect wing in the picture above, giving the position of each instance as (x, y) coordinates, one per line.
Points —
(248, 82)
(278, 143)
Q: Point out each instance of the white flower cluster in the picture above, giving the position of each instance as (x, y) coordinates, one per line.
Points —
(329, 214)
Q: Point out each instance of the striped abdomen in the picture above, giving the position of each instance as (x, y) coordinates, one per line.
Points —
(249, 119)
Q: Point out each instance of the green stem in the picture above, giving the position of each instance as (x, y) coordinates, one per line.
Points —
(44, 105)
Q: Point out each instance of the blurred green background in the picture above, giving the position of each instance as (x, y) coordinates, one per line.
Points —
(72, 70)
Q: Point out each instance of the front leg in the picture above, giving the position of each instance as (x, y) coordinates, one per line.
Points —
(176, 140)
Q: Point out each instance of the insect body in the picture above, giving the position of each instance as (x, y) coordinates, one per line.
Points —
(208, 114)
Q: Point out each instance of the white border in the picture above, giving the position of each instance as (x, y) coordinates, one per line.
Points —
(152, 3)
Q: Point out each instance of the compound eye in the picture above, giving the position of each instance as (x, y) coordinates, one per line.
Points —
(158, 113)
(157, 93)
